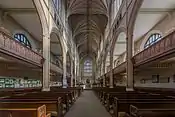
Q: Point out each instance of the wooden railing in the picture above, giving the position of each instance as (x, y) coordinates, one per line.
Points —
(11, 47)
(120, 68)
(162, 48)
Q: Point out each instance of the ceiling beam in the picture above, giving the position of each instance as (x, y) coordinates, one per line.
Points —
(155, 10)
(19, 10)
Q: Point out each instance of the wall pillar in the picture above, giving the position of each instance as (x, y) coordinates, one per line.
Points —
(46, 64)
(104, 84)
(1, 18)
(111, 70)
(72, 73)
(76, 75)
(64, 82)
(130, 76)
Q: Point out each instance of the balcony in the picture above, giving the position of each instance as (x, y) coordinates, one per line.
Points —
(120, 68)
(158, 51)
(11, 47)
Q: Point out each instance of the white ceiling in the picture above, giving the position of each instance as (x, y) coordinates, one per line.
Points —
(29, 20)
(120, 49)
(120, 45)
(146, 20)
(55, 46)
(16, 3)
(144, 23)
(158, 4)
(56, 49)
(33, 24)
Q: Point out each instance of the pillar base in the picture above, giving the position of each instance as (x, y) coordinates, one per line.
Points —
(46, 89)
(129, 89)
(65, 86)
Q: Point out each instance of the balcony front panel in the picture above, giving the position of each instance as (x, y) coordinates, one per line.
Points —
(13, 48)
(120, 68)
(160, 50)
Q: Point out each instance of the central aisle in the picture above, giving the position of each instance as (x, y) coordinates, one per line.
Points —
(87, 105)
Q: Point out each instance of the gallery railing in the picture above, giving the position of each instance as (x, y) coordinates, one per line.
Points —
(165, 46)
(12, 47)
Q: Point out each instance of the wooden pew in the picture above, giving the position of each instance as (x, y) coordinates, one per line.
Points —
(67, 98)
(153, 109)
(109, 100)
(20, 111)
(12, 91)
(46, 95)
(103, 91)
(76, 90)
(48, 115)
(122, 105)
(53, 103)
(161, 91)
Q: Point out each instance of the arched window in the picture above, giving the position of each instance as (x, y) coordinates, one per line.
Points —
(87, 67)
(22, 39)
(152, 39)
(56, 3)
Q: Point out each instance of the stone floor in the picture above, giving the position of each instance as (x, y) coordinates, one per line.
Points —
(87, 105)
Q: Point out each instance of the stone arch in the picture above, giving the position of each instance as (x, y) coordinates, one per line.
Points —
(57, 46)
(136, 29)
(56, 30)
(120, 38)
(115, 37)
(42, 16)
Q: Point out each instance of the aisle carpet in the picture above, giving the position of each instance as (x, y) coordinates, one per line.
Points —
(87, 105)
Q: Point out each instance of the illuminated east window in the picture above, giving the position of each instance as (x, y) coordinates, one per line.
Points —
(22, 39)
(56, 3)
(154, 38)
(87, 67)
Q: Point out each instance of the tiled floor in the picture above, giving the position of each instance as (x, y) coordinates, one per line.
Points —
(87, 105)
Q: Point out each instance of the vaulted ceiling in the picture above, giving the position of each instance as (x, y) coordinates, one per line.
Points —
(88, 20)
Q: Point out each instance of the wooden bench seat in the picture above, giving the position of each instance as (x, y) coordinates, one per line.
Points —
(18, 91)
(122, 105)
(48, 115)
(20, 111)
(76, 90)
(53, 105)
(102, 93)
(66, 101)
(165, 109)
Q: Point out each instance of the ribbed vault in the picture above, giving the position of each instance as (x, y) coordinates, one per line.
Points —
(88, 20)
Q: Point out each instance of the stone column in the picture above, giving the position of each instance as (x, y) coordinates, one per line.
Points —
(72, 74)
(104, 85)
(129, 84)
(1, 18)
(64, 71)
(46, 64)
(111, 70)
(76, 74)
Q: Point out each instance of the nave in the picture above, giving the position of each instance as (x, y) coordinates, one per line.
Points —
(87, 58)
(87, 105)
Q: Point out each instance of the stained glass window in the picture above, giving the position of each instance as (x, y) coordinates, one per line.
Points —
(56, 3)
(22, 39)
(154, 38)
(88, 67)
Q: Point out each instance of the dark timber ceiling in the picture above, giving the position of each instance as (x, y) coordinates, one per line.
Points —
(88, 19)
